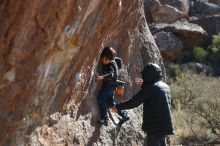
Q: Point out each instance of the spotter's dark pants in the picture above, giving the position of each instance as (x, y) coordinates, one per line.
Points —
(152, 140)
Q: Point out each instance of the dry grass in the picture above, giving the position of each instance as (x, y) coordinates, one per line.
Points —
(196, 109)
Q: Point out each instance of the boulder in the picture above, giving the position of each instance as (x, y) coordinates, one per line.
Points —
(168, 7)
(215, 2)
(190, 34)
(185, 56)
(211, 24)
(170, 46)
(199, 68)
(49, 56)
(198, 8)
(147, 11)
(181, 5)
(164, 13)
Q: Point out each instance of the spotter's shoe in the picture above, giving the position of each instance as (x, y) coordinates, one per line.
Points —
(123, 120)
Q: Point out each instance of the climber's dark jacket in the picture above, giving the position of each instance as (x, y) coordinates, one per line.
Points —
(110, 73)
(156, 98)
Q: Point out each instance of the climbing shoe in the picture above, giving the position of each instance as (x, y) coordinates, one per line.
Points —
(102, 122)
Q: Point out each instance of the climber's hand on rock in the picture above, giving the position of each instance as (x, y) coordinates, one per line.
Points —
(138, 81)
(98, 77)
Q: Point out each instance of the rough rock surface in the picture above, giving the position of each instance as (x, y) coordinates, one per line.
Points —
(49, 53)
(190, 34)
(169, 45)
(163, 12)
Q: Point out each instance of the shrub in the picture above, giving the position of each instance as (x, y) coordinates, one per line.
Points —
(214, 55)
(209, 112)
(215, 49)
(184, 96)
(216, 41)
(173, 70)
(199, 54)
(196, 109)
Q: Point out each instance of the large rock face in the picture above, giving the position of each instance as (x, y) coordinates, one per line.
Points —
(49, 54)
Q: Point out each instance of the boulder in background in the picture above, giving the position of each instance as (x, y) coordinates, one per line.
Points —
(199, 68)
(211, 24)
(190, 34)
(164, 13)
(203, 8)
(169, 45)
(181, 5)
(215, 1)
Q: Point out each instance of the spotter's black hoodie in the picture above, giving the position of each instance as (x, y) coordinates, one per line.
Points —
(156, 99)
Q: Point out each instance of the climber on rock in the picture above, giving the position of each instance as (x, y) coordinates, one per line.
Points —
(109, 76)
(156, 99)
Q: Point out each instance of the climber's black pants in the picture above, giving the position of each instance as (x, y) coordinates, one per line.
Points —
(106, 100)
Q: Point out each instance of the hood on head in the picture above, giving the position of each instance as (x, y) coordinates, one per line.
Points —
(151, 73)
